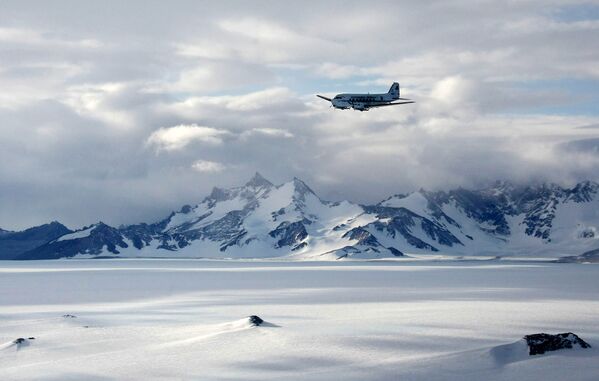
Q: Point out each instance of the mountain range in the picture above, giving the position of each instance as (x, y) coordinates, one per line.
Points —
(263, 220)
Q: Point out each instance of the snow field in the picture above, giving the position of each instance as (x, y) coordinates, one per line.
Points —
(186, 319)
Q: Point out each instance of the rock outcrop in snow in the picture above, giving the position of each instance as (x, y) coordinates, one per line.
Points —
(255, 320)
(540, 343)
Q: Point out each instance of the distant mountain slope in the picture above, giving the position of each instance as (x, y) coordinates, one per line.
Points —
(13, 244)
(260, 219)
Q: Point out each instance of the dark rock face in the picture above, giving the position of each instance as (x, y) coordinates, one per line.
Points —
(395, 252)
(255, 320)
(482, 207)
(366, 243)
(99, 237)
(141, 234)
(402, 222)
(13, 244)
(362, 235)
(289, 234)
(540, 343)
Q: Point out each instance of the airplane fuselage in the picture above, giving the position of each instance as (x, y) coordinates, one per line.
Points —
(361, 102)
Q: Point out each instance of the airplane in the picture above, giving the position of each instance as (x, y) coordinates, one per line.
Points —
(364, 102)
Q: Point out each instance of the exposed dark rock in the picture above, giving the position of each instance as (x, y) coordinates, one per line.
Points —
(402, 221)
(395, 252)
(540, 343)
(289, 234)
(185, 209)
(339, 227)
(69, 316)
(13, 244)
(583, 192)
(20, 340)
(255, 320)
(363, 236)
(141, 235)
(587, 234)
(482, 206)
(100, 237)
(300, 246)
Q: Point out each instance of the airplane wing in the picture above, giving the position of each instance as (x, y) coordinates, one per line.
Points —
(325, 98)
(391, 104)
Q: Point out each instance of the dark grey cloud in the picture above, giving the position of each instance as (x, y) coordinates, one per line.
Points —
(123, 111)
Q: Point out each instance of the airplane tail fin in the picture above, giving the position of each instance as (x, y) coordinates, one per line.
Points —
(394, 90)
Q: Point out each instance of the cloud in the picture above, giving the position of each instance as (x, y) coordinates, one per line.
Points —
(207, 166)
(275, 100)
(222, 91)
(178, 137)
(27, 36)
(272, 132)
(336, 71)
(214, 76)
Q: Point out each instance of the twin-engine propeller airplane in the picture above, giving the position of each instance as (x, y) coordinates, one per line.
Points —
(364, 102)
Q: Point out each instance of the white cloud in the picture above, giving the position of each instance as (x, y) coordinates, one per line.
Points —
(94, 101)
(259, 40)
(336, 71)
(260, 99)
(275, 132)
(178, 137)
(206, 166)
(278, 99)
(87, 99)
(29, 36)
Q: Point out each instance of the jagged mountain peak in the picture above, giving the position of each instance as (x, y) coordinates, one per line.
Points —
(252, 189)
(500, 187)
(301, 188)
(584, 191)
(259, 219)
(258, 181)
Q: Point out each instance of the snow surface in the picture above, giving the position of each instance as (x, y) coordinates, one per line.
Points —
(78, 234)
(379, 320)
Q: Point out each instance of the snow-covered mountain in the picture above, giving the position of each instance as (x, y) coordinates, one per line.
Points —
(259, 220)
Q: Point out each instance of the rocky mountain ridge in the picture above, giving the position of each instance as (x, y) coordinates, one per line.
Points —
(260, 220)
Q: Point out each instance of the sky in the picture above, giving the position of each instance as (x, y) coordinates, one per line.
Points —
(123, 111)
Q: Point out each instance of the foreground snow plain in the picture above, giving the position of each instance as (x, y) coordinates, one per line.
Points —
(384, 320)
